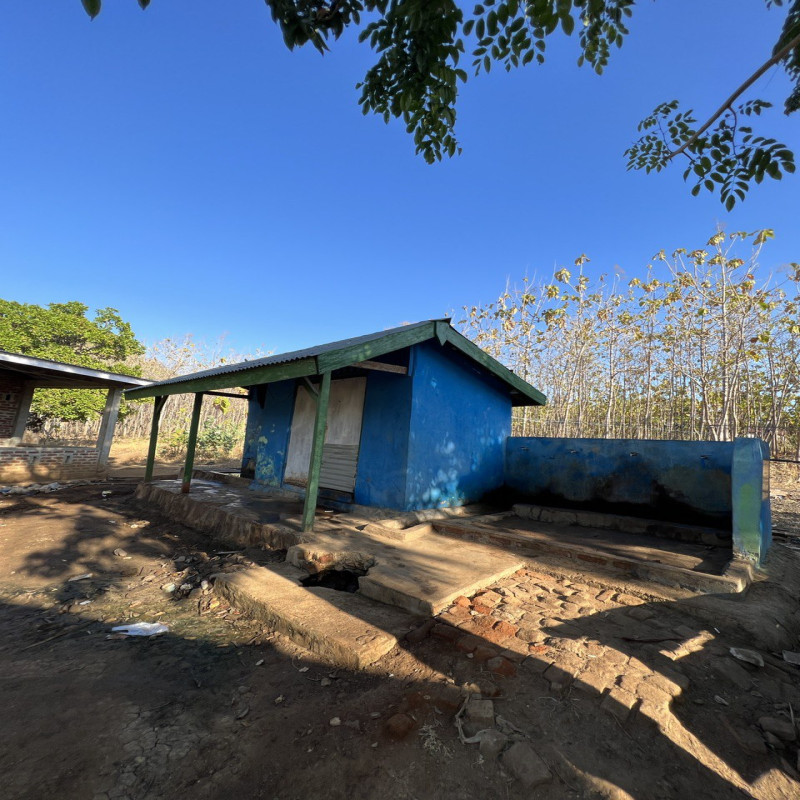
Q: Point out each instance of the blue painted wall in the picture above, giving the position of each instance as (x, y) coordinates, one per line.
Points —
(383, 455)
(686, 482)
(752, 520)
(267, 433)
(460, 420)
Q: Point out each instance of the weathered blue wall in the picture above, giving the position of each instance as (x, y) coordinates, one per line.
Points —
(460, 420)
(268, 428)
(687, 482)
(752, 520)
(383, 454)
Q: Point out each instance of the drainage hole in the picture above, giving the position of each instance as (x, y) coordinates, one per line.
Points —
(343, 580)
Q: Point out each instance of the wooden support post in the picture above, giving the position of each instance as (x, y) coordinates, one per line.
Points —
(109, 420)
(317, 443)
(158, 407)
(191, 444)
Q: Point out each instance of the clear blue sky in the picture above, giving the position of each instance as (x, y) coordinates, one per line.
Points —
(181, 165)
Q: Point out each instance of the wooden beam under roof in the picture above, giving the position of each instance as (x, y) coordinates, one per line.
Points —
(240, 396)
(381, 366)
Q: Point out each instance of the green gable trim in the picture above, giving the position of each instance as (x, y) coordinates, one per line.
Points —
(367, 350)
(472, 350)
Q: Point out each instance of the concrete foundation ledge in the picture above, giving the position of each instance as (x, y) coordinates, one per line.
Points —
(235, 527)
(345, 629)
(400, 534)
(231, 478)
(617, 522)
(736, 577)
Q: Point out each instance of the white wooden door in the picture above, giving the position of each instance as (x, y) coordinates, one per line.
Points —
(342, 437)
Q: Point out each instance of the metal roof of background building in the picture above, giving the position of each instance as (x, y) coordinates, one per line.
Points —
(60, 375)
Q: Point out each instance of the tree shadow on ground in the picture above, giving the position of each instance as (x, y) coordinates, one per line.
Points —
(196, 711)
(687, 685)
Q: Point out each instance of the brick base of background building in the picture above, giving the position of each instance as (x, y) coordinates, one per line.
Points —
(47, 464)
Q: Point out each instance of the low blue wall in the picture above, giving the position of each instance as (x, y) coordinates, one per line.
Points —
(719, 484)
(687, 482)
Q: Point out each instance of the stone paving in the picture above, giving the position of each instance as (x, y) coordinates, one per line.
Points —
(627, 653)
(536, 619)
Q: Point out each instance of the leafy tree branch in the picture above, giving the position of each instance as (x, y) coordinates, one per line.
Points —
(419, 43)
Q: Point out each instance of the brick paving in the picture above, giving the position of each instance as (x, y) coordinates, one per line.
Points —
(640, 661)
(579, 637)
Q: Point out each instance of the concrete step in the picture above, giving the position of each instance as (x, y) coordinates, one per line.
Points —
(345, 629)
(422, 575)
(403, 588)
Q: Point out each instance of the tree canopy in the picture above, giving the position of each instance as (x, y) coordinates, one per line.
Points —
(701, 345)
(63, 332)
(419, 44)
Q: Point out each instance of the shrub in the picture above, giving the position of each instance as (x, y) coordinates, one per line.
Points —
(215, 440)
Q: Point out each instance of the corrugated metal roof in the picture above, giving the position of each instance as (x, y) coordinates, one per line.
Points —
(295, 355)
(59, 372)
(337, 355)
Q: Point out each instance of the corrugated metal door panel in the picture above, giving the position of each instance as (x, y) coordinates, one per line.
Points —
(339, 462)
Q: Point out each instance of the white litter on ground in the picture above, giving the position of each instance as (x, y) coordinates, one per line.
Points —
(141, 629)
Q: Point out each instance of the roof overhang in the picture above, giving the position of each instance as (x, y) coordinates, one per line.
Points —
(58, 375)
(348, 353)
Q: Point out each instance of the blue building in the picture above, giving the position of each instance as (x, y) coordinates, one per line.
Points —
(420, 426)
(408, 418)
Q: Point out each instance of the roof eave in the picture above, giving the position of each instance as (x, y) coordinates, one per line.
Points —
(69, 375)
(271, 373)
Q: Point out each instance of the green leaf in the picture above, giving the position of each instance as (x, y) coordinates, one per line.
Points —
(92, 7)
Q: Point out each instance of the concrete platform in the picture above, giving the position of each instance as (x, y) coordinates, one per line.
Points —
(697, 568)
(417, 569)
(419, 573)
(230, 513)
(345, 629)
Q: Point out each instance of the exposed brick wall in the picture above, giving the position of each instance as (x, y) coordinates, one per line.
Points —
(44, 464)
(10, 395)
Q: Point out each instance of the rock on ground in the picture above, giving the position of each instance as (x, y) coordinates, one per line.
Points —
(525, 764)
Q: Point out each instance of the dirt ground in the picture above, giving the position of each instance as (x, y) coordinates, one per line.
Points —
(128, 457)
(220, 706)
